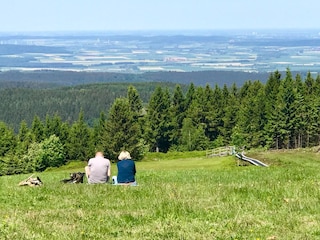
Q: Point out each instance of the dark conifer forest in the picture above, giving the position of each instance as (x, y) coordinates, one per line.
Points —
(49, 125)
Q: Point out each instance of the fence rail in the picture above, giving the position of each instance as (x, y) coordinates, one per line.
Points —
(221, 151)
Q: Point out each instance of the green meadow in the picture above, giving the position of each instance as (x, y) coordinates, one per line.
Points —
(180, 196)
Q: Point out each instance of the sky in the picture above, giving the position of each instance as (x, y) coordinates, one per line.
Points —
(145, 15)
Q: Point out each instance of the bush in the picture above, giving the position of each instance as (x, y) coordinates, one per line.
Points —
(48, 153)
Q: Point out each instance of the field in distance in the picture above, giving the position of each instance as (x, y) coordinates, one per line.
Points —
(138, 52)
(180, 196)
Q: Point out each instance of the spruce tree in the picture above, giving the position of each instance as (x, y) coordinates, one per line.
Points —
(135, 101)
(190, 95)
(37, 129)
(7, 139)
(271, 130)
(80, 144)
(158, 120)
(122, 131)
(285, 112)
(177, 114)
(99, 129)
(216, 114)
(251, 115)
(230, 113)
(193, 136)
(24, 138)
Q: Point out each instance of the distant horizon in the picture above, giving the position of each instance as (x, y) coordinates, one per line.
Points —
(168, 31)
(180, 51)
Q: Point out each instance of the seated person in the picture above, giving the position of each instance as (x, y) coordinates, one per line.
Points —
(126, 170)
(98, 169)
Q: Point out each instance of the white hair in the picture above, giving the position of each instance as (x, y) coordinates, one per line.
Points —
(124, 155)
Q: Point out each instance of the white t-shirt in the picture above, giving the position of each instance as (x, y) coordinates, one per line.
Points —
(99, 167)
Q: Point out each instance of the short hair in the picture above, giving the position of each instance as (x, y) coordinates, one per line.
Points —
(124, 155)
(99, 154)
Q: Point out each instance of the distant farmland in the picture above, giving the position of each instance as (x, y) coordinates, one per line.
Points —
(221, 51)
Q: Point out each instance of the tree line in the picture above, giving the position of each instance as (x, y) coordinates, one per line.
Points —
(51, 78)
(24, 102)
(283, 113)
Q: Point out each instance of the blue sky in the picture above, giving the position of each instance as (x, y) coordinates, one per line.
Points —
(112, 15)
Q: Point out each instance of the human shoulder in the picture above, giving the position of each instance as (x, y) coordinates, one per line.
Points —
(90, 161)
(105, 160)
(128, 161)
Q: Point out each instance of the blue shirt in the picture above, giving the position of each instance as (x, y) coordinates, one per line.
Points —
(126, 171)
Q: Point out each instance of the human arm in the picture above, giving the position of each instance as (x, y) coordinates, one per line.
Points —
(109, 172)
(87, 170)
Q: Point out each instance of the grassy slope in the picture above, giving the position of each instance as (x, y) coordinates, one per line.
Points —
(178, 197)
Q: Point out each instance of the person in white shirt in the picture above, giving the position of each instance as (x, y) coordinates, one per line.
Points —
(98, 169)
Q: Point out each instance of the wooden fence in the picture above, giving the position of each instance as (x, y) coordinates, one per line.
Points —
(221, 151)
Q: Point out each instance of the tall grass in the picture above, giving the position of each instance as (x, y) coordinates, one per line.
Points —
(186, 197)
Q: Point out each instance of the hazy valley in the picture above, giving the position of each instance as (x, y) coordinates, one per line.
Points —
(139, 52)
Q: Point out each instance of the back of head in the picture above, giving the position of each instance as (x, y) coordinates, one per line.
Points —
(124, 155)
(99, 154)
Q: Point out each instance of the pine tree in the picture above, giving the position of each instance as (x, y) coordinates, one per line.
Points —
(80, 144)
(177, 113)
(311, 115)
(7, 139)
(138, 111)
(190, 95)
(299, 121)
(158, 120)
(193, 136)
(37, 129)
(55, 126)
(24, 138)
(309, 84)
(122, 131)
(135, 101)
(230, 113)
(210, 118)
(316, 112)
(251, 117)
(285, 113)
(216, 114)
(99, 131)
(317, 86)
(271, 130)
(197, 107)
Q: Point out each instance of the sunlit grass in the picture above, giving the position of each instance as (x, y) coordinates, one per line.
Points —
(190, 197)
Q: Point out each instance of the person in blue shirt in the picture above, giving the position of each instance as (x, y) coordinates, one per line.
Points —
(126, 170)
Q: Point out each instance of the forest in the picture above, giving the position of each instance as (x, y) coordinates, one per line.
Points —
(51, 78)
(282, 113)
(24, 94)
(23, 103)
